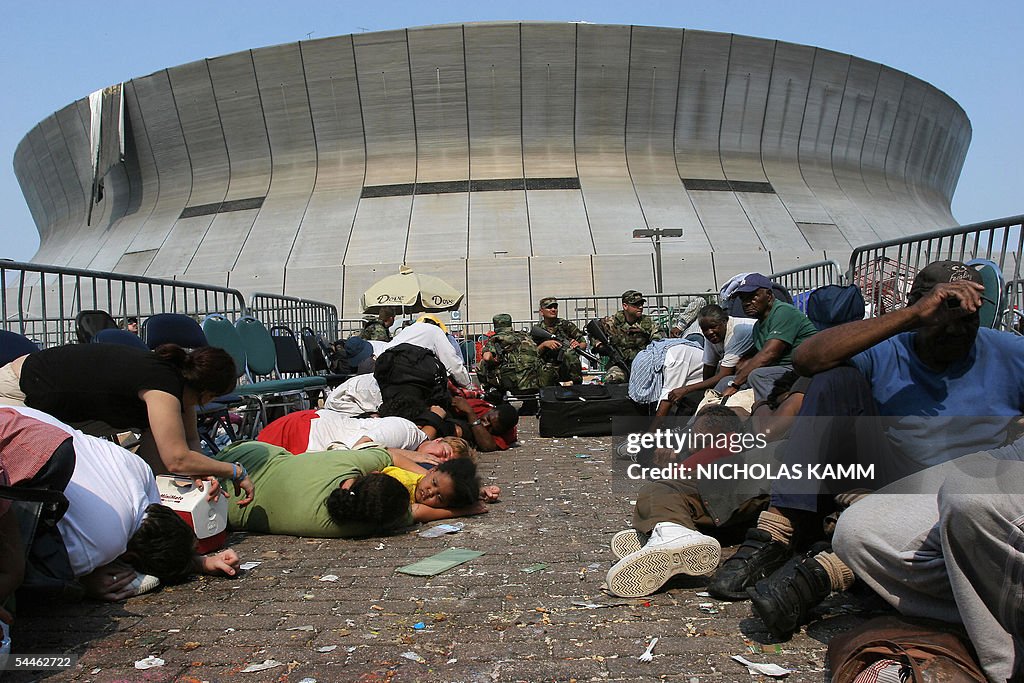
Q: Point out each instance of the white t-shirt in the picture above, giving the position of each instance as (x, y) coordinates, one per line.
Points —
(739, 339)
(107, 498)
(337, 430)
(355, 396)
(683, 365)
(432, 337)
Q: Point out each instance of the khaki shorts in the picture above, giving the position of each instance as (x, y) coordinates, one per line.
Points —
(10, 387)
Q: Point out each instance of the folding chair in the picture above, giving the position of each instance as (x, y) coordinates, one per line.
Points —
(291, 364)
(317, 357)
(47, 567)
(993, 307)
(88, 323)
(258, 396)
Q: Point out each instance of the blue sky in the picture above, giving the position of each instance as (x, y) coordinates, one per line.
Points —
(54, 52)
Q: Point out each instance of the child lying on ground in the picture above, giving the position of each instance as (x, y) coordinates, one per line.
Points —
(452, 489)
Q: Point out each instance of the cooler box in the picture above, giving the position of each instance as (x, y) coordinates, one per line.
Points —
(210, 521)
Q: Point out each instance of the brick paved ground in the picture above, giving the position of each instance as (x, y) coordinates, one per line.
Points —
(485, 621)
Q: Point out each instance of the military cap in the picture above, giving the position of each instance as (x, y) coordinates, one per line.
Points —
(547, 301)
(631, 296)
(502, 321)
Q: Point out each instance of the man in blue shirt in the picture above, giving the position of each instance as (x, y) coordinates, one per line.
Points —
(926, 385)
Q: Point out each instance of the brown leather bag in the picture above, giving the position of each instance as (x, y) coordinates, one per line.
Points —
(936, 652)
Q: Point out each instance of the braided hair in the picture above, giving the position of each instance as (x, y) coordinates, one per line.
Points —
(375, 499)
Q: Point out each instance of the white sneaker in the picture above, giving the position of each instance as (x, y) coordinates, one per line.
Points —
(144, 583)
(627, 542)
(622, 452)
(672, 549)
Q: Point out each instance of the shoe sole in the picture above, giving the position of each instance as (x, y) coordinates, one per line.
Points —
(645, 571)
(627, 542)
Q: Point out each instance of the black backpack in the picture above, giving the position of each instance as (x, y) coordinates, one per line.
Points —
(412, 370)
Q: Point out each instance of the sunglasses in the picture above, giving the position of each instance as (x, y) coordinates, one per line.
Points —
(554, 306)
(954, 302)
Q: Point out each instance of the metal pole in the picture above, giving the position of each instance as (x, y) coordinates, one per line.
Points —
(657, 262)
(655, 235)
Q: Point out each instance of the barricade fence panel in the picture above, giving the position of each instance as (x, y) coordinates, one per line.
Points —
(1013, 318)
(295, 313)
(885, 270)
(808, 278)
(664, 309)
(42, 301)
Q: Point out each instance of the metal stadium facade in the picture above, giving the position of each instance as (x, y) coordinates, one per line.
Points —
(512, 159)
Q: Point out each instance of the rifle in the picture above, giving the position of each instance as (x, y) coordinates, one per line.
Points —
(597, 332)
(540, 335)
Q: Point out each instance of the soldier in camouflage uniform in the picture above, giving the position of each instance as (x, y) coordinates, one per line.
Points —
(630, 331)
(379, 329)
(569, 367)
(509, 359)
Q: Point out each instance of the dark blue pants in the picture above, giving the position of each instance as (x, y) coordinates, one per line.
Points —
(838, 424)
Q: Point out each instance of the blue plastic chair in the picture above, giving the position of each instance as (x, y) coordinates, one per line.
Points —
(14, 345)
(172, 328)
(122, 337)
(993, 308)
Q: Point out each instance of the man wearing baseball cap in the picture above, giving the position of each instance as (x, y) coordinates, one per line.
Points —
(926, 386)
(629, 331)
(569, 368)
(780, 329)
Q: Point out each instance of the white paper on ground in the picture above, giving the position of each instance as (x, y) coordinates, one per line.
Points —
(267, 664)
(773, 670)
(149, 662)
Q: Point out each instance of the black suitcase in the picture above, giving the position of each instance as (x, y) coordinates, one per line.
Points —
(584, 410)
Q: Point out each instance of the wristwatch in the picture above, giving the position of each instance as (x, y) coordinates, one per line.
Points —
(474, 424)
(732, 383)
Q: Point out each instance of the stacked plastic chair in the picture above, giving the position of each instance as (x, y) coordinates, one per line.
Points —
(250, 344)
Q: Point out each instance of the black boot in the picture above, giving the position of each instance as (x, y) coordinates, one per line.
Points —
(757, 558)
(784, 601)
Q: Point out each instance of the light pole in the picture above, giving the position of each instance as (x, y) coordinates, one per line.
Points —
(656, 234)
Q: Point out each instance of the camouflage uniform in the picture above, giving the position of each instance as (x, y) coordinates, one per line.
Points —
(629, 338)
(516, 365)
(374, 330)
(570, 368)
